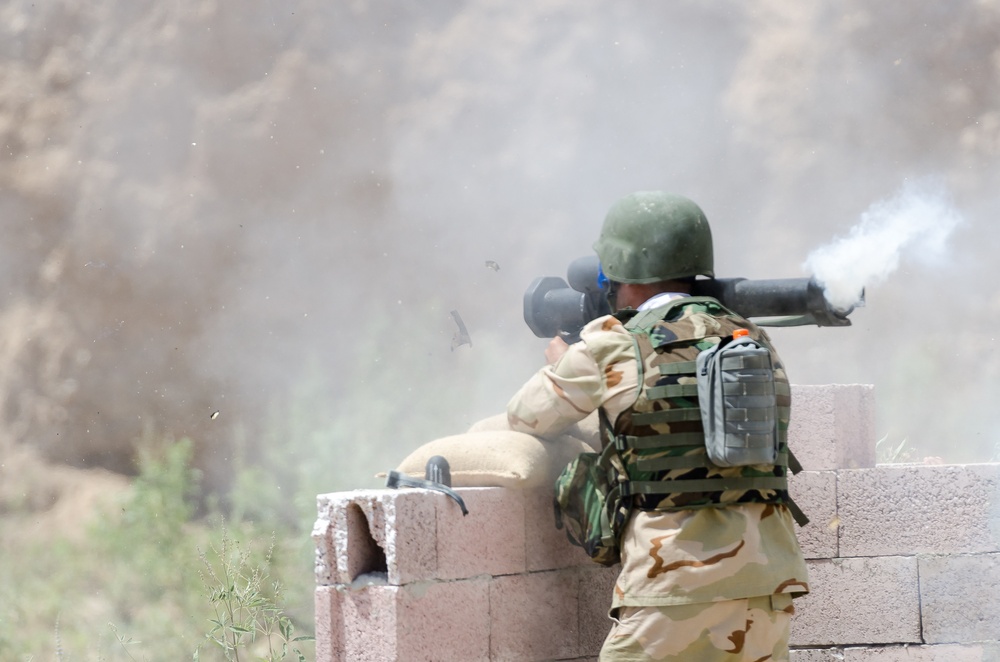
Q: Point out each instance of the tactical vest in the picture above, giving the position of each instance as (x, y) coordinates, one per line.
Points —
(660, 438)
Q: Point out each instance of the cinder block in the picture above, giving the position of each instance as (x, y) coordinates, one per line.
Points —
(597, 584)
(815, 492)
(487, 541)
(356, 625)
(919, 510)
(534, 617)
(976, 653)
(959, 598)
(859, 601)
(326, 555)
(817, 655)
(421, 622)
(946, 653)
(391, 532)
(548, 548)
(329, 619)
(833, 426)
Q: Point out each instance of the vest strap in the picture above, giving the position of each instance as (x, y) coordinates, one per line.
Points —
(675, 415)
(688, 462)
(793, 462)
(679, 368)
(671, 440)
(672, 391)
(797, 514)
(647, 318)
(719, 484)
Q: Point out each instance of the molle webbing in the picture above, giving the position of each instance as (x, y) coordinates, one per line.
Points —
(673, 391)
(667, 416)
(670, 440)
(704, 485)
(670, 404)
(687, 462)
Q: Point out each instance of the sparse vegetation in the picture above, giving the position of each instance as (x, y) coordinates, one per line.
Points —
(889, 452)
(151, 579)
(248, 614)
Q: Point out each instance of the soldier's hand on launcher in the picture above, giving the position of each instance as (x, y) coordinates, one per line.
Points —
(555, 350)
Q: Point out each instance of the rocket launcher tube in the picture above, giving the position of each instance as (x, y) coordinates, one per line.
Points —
(553, 308)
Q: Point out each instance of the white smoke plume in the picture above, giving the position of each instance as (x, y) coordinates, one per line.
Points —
(917, 220)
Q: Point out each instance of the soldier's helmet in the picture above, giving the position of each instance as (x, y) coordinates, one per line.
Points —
(649, 236)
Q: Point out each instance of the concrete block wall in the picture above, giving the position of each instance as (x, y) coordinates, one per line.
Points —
(904, 562)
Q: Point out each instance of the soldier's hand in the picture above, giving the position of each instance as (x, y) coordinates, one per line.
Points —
(557, 347)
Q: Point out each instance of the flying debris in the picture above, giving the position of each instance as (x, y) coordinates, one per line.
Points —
(461, 336)
(490, 264)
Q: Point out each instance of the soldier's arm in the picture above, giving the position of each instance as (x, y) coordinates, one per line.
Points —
(600, 370)
(558, 395)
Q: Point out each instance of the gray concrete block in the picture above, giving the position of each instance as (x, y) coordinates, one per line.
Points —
(833, 426)
(815, 492)
(946, 653)
(960, 598)
(859, 601)
(907, 509)
(817, 655)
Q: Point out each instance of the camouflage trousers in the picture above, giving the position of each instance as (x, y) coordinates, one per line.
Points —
(747, 630)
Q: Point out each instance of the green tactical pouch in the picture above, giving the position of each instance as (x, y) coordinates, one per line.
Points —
(588, 505)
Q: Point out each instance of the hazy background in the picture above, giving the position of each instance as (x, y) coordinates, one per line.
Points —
(268, 209)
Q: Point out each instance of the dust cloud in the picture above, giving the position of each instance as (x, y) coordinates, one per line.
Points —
(250, 225)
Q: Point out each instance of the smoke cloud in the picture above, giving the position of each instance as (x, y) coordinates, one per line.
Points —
(916, 221)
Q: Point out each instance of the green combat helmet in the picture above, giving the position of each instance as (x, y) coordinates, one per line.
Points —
(649, 236)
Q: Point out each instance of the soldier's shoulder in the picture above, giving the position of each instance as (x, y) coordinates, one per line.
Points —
(605, 335)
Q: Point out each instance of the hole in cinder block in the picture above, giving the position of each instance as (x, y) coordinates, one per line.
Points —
(364, 556)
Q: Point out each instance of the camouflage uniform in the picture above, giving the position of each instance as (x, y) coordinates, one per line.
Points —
(696, 582)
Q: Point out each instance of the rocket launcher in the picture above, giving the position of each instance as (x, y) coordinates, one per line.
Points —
(554, 308)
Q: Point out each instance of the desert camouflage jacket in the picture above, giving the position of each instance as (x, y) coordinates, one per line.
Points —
(668, 557)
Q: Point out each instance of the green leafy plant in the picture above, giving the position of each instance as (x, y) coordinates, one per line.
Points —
(249, 619)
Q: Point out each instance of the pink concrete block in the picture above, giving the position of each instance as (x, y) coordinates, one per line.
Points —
(326, 553)
(905, 509)
(859, 601)
(548, 548)
(390, 532)
(833, 426)
(597, 584)
(423, 622)
(945, 653)
(959, 598)
(487, 541)
(329, 624)
(356, 625)
(815, 492)
(445, 621)
(535, 616)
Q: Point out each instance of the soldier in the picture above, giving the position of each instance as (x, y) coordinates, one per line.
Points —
(709, 558)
